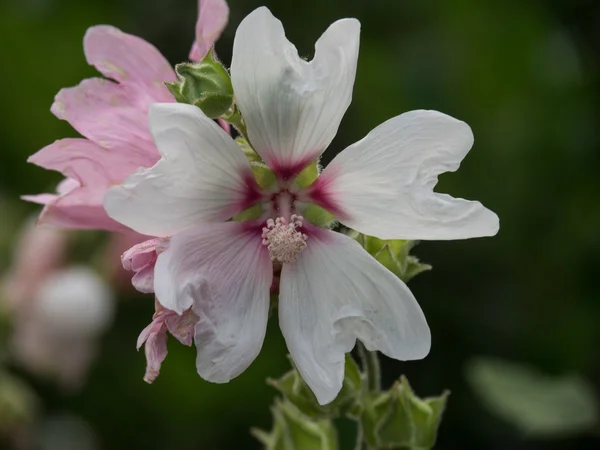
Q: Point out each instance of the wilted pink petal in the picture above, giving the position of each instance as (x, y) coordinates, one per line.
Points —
(141, 259)
(212, 19)
(182, 327)
(155, 336)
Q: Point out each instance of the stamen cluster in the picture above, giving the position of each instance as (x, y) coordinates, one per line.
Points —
(284, 240)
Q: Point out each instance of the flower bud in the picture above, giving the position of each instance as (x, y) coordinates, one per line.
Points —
(296, 391)
(292, 430)
(399, 419)
(205, 84)
(394, 255)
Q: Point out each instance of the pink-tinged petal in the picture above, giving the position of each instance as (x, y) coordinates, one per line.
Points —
(90, 171)
(335, 293)
(141, 259)
(212, 19)
(112, 115)
(223, 272)
(383, 184)
(202, 176)
(129, 60)
(155, 338)
(182, 327)
(292, 107)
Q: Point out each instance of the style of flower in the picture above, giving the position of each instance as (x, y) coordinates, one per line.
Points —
(331, 290)
(112, 115)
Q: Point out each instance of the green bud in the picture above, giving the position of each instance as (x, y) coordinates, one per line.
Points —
(292, 430)
(205, 84)
(394, 255)
(296, 391)
(398, 419)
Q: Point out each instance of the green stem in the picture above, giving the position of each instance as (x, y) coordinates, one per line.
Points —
(371, 368)
(236, 119)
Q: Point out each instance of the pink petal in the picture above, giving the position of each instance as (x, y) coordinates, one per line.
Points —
(156, 352)
(212, 19)
(182, 327)
(223, 272)
(141, 258)
(129, 60)
(90, 171)
(111, 115)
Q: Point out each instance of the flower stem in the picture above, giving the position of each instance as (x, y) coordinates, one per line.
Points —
(235, 118)
(371, 368)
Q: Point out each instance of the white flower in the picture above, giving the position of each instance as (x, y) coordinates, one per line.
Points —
(331, 291)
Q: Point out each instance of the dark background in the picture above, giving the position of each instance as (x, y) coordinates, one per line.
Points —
(523, 74)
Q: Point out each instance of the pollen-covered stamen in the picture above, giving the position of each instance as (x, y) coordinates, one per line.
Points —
(284, 240)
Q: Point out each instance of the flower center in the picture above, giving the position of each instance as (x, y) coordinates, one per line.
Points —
(284, 240)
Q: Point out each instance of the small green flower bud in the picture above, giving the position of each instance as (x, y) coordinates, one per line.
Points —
(205, 84)
(394, 255)
(399, 419)
(292, 430)
(295, 390)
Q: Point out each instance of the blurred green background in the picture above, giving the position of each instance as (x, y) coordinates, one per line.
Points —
(523, 74)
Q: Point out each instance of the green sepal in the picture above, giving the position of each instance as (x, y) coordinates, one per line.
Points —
(318, 216)
(297, 392)
(398, 419)
(292, 430)
(393, 254)
(262, 174)
(308, 175)
(205, 84)
(252, 213)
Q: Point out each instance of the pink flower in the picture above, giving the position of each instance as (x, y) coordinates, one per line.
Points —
(113, 118)
(331, 290)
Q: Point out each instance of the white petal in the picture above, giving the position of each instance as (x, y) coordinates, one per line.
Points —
(383, 184)
(292, 107)
(336, 292)
(223, 271)
(202, 176)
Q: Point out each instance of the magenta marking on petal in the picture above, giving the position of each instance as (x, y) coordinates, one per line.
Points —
(321, 193)
(252, 192)
(286, 170)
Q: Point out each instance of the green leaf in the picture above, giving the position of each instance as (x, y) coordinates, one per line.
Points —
(537, 404)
